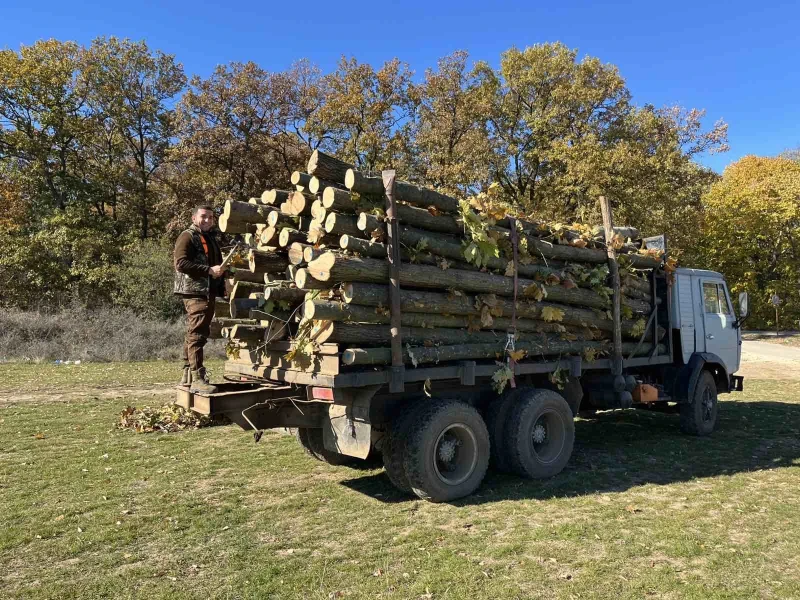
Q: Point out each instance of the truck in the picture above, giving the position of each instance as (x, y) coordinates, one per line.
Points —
(438, 428)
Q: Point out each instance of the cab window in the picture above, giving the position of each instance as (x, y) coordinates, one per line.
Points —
(714, 299)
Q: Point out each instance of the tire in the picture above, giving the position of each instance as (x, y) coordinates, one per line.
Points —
(394, 445)
(311, 440)
(699, 417)
(447, 451)
(540, 434)
(496, 415)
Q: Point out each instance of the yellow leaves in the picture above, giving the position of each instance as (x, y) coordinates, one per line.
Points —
(443, 264)
(589, 354)
(579, 243)
(617, 242)
(536, 291)
(552, 314)
(486, 317)
(517, 355)
(510, 270)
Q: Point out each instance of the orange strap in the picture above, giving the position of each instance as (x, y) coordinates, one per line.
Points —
(205, 244)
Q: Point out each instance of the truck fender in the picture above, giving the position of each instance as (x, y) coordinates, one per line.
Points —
(687, 378)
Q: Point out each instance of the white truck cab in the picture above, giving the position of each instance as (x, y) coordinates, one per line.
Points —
(703, 313)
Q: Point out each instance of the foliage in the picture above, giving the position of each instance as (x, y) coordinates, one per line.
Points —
(166, 418)
(749, 233)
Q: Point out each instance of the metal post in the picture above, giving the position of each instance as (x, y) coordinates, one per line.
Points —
(613, 269)
(396, 383)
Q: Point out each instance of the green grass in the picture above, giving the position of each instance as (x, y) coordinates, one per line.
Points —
(786, 338)
(90, 511)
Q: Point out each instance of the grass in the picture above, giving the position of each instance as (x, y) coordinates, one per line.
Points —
(90, 511)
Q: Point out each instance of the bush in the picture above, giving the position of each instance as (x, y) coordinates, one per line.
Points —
(97, 335)
(143, 282)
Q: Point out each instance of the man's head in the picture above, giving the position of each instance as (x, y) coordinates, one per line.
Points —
(203, 217)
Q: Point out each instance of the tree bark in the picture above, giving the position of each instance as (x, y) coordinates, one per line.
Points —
(275, 197)
(327, 167)
(222, 308)
(277, 219)
(245, 212)
(357, 182)
(238, 274)
(549, 346)
(306, 282)
(240, 307)
(378, 250)
(317, 185)
(361, 333)
(296, 252)
(243, 289)
(292, 295)
(338, 224)
(289, 236)
(266, 262)
(226, 226)
(337, 200)
(301, 179)
(339, 268)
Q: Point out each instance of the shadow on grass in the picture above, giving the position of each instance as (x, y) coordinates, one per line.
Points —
(619, 450)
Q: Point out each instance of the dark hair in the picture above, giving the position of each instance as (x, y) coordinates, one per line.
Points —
(200, 207)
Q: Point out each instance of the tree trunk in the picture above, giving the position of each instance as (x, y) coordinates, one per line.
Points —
(243, 289)
(275, 197)
(337, 200)
(292, 295)
(339, 268)
(226, 226)
(327, 167)
(289, 236)
(245, 212)
(244, 275)
(296, 251)
(357, 182)
(266, 262)
(342, 224)
(317, 185)
(301, 179)
(549, 346)
(306, 282)
(277, 219)
(378, 250)
(312, 252)
(361, 333)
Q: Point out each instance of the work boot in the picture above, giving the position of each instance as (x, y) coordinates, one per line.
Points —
(200, 383)
(186, 376)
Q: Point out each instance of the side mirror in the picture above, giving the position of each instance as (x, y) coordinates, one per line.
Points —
(744, 301)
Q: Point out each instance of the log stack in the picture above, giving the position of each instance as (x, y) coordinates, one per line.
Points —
(314, 293)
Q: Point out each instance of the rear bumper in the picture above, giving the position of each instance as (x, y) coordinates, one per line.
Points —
(736, 383)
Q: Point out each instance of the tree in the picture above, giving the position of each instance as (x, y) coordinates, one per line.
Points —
(450, 141)
(750, 227)
(134, 88)
(365, 113)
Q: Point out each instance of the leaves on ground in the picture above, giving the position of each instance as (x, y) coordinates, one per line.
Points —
(166, 418)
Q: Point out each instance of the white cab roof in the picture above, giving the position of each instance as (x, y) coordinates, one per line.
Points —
(699, 273)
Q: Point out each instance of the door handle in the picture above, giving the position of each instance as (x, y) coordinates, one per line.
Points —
(709, 337)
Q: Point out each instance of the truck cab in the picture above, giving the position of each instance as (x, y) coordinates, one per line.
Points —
(702, 313)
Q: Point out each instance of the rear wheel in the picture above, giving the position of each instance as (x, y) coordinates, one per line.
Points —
(699, 417)
(447, 451)
(496, 415)
(394, 445)
(540, 434)
(311, 440)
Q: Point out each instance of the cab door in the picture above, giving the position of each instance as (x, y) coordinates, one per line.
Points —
(721, 338)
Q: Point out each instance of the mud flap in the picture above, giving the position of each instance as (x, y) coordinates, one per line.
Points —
(347, 429)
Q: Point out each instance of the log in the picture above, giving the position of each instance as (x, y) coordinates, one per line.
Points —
(249, 334)
(339, 224)
(301, 179)
(291, 271)
(233, 228)
(327, 167)
(273, 277)
(292, 295)
(300, 203)
(639, 283)
(222, 308)
(549, 346)
(266, 262)
(245, 212)
(334, 268)
(317, 185)
(289, 236)
(361, 333)
(238, 274)
(275, 198)
(240, 307)
(296, 252)
(327, 310)
(268, 237)
(373, 295)
(243, 289)
(318, 211)
(406, 192)
(304, 281)
(378, 250)
(338, 200)
(312, 252)
(277, 220)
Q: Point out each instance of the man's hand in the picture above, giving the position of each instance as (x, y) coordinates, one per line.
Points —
(216, 271)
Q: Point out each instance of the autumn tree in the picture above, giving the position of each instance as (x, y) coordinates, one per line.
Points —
(750, 225)
(365, 114)
(449, 142)
(134, 88)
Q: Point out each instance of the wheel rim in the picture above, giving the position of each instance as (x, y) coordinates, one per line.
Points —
(548, 436)
(707, 405)
(455, 454)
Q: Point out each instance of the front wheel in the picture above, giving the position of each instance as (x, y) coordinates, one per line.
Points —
(699, 417)
(447, 451)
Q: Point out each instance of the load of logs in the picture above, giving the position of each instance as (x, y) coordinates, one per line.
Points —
(310, 292)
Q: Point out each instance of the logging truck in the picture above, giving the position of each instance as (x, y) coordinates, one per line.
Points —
(439, 427)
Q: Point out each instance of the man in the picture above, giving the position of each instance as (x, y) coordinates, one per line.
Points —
(198, 280)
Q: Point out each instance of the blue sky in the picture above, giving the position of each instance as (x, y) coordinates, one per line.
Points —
(738, 60)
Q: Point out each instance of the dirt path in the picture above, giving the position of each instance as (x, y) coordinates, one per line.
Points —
(155, 394)
(765, 360)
